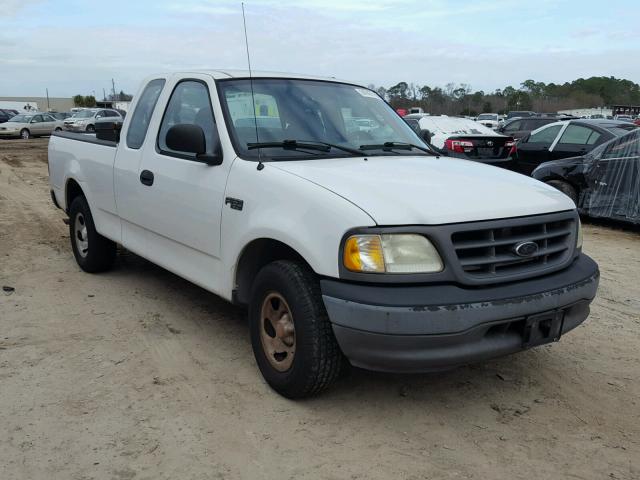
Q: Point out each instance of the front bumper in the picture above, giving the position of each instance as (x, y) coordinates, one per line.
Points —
(9, 133)
(433, 327)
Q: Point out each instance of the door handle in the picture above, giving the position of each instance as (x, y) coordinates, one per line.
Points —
(146, 177)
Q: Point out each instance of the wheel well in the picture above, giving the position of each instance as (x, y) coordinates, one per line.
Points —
(256, 255)
(73, 190)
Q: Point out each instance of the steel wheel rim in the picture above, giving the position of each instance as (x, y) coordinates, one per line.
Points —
(277, 332)
(80, 235)
(25, 134)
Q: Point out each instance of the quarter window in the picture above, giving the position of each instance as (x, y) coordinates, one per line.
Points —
(547, 135)
(189, 104)
(513, 126)
(142, 114)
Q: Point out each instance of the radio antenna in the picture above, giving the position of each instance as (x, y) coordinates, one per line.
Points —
(253, 99)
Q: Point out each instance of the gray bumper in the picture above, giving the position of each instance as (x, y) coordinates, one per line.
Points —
(424, 328)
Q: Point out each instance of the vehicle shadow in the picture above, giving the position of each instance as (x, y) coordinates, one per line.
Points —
(213, 314)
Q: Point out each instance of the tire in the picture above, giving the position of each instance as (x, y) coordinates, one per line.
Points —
(94, 253)
(58, 129)
(565, 188)
(317, 361)
(91, 128)
(25, 134)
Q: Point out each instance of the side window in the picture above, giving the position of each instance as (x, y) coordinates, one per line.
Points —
(49, 118)
(100, 114)
(547, 135)
(38, 119)
(142, 114)
(190, 103)
(627, 146)
(513, 126)
(579, 135)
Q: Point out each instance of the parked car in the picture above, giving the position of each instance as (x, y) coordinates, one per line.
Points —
(341, 242)
(61, 115)
(624, 118)
(520, 114)
(602, 183)
(85, 120)
(489, 120)
(5, 116)
(520, 127)
(463, 138)
(28, 125)
(565, 139)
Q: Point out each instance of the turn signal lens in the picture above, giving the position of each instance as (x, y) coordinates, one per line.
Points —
(579, 236)
(363, 253)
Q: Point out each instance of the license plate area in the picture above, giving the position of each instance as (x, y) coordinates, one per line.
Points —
(542, 328)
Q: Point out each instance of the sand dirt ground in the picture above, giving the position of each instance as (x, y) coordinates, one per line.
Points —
(138, 374)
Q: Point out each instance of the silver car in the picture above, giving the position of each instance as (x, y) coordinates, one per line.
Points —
(85, 120)
(28, 125)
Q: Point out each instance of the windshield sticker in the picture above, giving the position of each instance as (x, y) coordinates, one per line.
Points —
(366, 93)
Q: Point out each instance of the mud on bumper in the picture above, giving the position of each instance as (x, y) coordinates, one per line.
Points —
(432, 327)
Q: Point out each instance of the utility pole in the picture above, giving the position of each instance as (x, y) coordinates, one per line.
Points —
(113, 86)
(48, 106)
(104, 95)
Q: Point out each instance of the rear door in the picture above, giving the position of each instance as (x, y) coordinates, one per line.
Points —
(534, 149)
(575, 141)
(49, 123)
(614, 181)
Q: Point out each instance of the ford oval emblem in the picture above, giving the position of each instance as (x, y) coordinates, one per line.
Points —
(526, 249)
(489, 143)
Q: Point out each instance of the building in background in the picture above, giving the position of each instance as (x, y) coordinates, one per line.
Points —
(53, 104)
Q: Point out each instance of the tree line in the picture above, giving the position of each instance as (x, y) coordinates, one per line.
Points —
(461, 99)
(90, 100)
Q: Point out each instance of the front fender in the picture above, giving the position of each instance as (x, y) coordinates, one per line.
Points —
(284, 207)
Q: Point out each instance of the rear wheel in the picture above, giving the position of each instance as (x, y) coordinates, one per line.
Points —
(291, 335)
(565, 188)
(25, 134)
(91, 128)
(94, 253)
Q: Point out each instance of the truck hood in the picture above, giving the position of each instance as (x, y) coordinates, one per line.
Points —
(429, 190)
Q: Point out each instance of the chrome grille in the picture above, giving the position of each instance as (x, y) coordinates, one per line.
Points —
(490, 252)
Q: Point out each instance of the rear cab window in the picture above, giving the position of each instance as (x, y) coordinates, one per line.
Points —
(142, 114)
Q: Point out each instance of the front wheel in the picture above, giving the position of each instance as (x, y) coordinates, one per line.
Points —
(25, 134)
(291, 335)
(94, 253)
(565, 188)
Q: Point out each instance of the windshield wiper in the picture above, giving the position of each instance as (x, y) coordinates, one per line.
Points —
(301, 145)
(388, 146)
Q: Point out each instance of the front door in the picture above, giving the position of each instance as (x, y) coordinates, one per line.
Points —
(180, 198)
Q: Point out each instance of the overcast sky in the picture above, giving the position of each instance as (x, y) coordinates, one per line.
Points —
(77, 46)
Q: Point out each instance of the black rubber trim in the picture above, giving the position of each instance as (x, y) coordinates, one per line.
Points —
(584, 269)
(84, 137)
(54, 200)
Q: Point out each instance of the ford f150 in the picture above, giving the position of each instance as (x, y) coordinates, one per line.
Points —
(344, 242)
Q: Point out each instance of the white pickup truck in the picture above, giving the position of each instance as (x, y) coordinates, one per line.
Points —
(344, 243)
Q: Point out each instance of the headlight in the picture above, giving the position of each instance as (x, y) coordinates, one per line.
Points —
(393, 253)
(579, 236)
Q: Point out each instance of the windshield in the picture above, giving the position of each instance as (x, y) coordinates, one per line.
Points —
(84, 114)
(311, 111)
(21, 118)
(485, 116)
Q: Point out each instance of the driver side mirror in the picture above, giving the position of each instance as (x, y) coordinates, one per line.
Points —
(189, 138)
